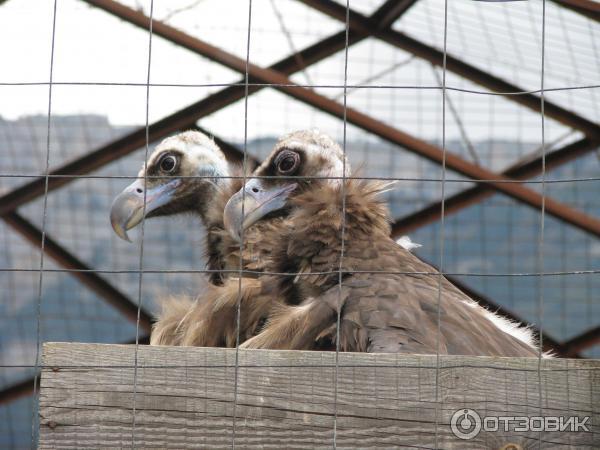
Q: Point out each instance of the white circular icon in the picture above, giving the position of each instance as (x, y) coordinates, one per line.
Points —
(465, 424)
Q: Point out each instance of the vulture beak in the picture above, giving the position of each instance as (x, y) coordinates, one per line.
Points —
(257, 201)
(128, 207)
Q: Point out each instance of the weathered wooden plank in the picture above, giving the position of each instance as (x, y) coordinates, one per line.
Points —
(185, 398)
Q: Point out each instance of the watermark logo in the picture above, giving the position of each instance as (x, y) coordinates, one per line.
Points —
(467, 423)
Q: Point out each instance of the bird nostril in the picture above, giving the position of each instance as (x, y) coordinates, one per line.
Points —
(139, 190)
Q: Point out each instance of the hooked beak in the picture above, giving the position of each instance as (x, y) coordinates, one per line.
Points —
(257, 202)
(128, 207)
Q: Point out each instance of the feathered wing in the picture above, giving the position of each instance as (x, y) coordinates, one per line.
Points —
(393, 313)
(211, 320)
(399, 309)
(389, 298)
(165, 329)
(294, 327)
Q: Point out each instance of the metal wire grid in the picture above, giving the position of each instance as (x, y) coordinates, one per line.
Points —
(140, 271)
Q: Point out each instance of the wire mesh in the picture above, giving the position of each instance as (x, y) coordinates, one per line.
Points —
(544, 272)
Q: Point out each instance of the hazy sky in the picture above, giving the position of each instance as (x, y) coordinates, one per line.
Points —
(92, 46)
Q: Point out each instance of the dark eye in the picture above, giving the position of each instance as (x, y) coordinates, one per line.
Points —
(168, 163)
(287, 162)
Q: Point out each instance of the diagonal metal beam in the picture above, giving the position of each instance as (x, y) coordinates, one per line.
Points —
(429, 151)
(522, 170)
(185, 118)
(25, 388)
(582, 342)
(390, 11)
(588, 8)
(362, 24)
(16, 391)
(91, 280)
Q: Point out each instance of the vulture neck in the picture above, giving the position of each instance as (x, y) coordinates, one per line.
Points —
(217, 238)
(356, 205)
(313, 239)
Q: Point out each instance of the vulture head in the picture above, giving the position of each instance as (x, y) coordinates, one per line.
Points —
(183, 174)
(300, 160)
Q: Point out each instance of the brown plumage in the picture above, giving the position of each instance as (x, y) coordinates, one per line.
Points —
(388, 300)
(211, 319)
(188, 173)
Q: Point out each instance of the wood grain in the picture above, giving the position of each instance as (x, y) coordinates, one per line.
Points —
(184, 398)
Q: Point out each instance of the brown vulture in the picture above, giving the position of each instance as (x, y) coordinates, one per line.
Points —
(188, 173)
(389, 300)
(212, 319)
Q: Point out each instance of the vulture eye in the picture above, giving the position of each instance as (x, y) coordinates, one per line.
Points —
(287, 162)
(168, 163)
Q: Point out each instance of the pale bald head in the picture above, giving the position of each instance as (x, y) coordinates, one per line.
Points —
(299, 161)
(184, 174)
(325, 158)
(199, 155)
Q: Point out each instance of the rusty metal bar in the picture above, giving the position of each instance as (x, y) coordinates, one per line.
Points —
(581, 342)
(362, 24)
(16, 391)
(391, 11)
(90, 279)
(179, 120)
(587, 8)
(522, 170)
(25, 387)
(429, 151)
